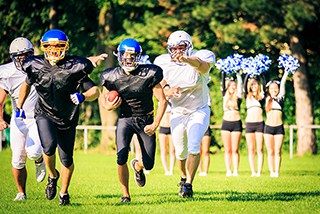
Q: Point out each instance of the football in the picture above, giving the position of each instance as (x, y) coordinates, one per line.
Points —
(111, 95)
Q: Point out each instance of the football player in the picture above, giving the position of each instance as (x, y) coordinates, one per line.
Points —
(62, 83)
(24, 137)
(136, 84)
(185, 78)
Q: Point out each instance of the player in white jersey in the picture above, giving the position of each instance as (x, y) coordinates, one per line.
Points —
(185, 78)
(24, 138)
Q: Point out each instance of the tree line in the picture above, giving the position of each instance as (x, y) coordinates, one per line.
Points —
(249, 27)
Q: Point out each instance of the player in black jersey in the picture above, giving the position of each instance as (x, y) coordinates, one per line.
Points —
(136, 85)
(58, 79)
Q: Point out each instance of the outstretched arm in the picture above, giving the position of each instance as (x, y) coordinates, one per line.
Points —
(282, 91)
(95, 59)
(201, 66)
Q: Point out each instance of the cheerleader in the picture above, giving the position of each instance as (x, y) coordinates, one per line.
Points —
(231, 128)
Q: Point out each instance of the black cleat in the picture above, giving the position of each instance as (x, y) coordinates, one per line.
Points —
(64, 200)
(51, 189)
(186, 191)
(139, 176)
(182, 182)
(125, 199)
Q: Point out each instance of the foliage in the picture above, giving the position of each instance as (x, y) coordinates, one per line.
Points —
(247, 26)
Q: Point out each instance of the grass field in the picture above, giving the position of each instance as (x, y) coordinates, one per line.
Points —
(95, 189)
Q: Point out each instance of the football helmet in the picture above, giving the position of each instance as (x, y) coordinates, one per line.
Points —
(129, 54)
(178, 38)
(54, 43)
(19, 49)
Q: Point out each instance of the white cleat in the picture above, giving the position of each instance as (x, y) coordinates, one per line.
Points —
(40, 171)
(20, 197)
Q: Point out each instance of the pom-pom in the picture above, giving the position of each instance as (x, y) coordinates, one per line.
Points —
(289, 63)
(256, 66)
(230, 64)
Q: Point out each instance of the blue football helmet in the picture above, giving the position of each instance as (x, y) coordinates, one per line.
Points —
(129, 54)
(54, 44)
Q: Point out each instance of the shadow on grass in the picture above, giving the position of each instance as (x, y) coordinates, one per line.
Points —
(254, 196)
(214, 196)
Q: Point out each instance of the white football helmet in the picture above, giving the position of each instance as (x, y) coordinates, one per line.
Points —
(178, 38)
(19, 49)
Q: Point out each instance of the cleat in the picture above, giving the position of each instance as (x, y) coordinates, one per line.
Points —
(139, 176)
(125, 199)
(64, 199)
(181, 184)
(186, 191)
(40, 171)
(20, 197)
(51, 189)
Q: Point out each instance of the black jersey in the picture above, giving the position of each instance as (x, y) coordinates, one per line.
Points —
(54, 84)
(135, 88)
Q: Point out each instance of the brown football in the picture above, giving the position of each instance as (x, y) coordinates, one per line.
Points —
(111, 95)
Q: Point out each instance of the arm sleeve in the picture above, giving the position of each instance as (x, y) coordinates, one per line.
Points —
(27, 68)
(207, 56)
(87, 83)
(158, 76)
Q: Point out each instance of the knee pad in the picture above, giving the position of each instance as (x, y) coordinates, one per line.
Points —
(122, 156)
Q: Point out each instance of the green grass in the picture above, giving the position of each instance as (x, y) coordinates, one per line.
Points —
(95, 189)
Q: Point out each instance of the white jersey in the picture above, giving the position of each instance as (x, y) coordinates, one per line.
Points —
(10, 80)
(194, 89)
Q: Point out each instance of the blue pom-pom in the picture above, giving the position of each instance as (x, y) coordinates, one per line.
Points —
(230, 64)
(289, 63)
(256, 66)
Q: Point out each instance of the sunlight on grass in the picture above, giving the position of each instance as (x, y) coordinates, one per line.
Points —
(95, 189)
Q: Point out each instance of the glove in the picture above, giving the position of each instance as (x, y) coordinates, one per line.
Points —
(20, 114)
(77, 98)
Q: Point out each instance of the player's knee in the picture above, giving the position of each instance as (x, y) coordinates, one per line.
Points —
(34, 155)
(194, 151)
(18, 164)
(122, 156)
(49, 151)
(66, 161)
(148, 165)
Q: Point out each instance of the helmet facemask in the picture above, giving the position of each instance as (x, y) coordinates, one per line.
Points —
(129, 54)
(129, 60)
(19, 58)
(172, 48)
(54, 51)
(180, 38)
(20, 49)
